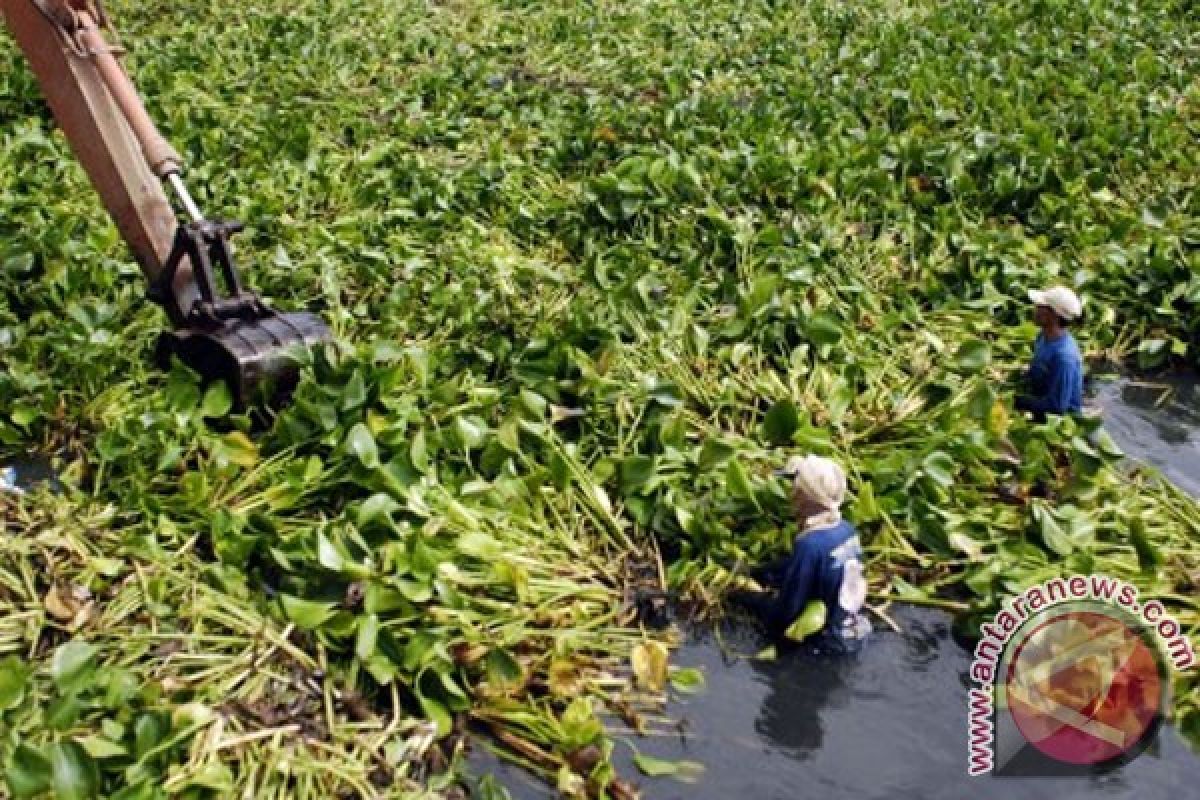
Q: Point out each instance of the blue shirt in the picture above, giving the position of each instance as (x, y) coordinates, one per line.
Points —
(826, 565)
(1056, 376)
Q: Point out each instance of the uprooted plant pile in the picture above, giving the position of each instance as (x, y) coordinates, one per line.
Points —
(596, 269)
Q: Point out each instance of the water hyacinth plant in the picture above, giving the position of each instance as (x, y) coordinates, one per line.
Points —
(596, 269)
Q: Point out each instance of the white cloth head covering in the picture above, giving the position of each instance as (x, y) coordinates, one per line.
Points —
(1064, 301)
(821, 480)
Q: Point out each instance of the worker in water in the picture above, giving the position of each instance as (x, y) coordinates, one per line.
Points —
(1054, 381)
(825, 564)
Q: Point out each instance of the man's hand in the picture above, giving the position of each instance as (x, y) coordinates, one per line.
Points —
(745, 583)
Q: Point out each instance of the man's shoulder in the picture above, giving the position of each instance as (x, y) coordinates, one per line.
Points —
(1067, 351)
(825, 539)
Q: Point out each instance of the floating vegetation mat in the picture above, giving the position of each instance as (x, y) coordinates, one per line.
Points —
(595, 269)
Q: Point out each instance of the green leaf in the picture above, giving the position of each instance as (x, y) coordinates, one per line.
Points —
(23, 415)
(1152, 353)
(354, 394)
(1053, 536)
(906, 591)
(14, 678)
(503, 670)
(100, 748)
(965, 544)
(1105, 444)
(761, 292)
(714, 453)
(1078, 525)
(236, 447)
(973, 356)
(940, 467)
(469, 431)
(636, 472)
(121, 686)
(328, 555)
(361, 444)
(73, 664)
(824, 328)
(738, 481)
(479, 545)
(579, 723)
(212, 777)
(64, 710)
(217, 400)
(144, 789)
(381, 667)
(377, 508)
(687, 679)
(307, 615)
(686, 771)
(666, 394)
(866, 507)
(767, 654)
(27, 772)
(781, 422)
(1149, 556)
(366, 637)
(181, 390)
(149, 731)
(533, 404)
(437, 714)
(418, 453)
(74, 773)
(811, 620)
(453, 691)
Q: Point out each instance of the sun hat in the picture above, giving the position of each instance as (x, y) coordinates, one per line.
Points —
(1064, 301)
(818, 478)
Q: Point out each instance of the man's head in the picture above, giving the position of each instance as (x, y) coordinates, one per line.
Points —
(818, 485)
(1055, 308)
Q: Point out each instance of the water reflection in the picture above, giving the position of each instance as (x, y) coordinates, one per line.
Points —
(19, 475)
(1157, 422)
(804, 689)
(800, 688)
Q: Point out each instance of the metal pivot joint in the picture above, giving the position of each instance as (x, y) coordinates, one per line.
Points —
(236, 336)
(205, 245)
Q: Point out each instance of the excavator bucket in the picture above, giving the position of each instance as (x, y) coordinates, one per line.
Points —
(234, 337)
(255, 357)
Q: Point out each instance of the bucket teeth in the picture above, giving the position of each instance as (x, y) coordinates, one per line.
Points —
(254, 356)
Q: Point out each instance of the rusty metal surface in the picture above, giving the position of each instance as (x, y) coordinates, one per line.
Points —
(158, 152)
(102, 140)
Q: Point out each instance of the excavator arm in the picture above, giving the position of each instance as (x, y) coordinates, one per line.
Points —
(225, 333)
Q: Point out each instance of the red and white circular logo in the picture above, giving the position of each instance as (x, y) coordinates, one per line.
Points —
(1085, 688)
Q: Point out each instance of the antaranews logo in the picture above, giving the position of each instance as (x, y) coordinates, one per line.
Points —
(1071, 677)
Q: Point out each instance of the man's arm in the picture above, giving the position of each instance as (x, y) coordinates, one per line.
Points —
(1057, 398)
(797, 588)
(773, 573)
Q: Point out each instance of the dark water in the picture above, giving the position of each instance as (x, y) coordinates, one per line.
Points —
(890, 722)
(1157, 422)
(26, 473)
